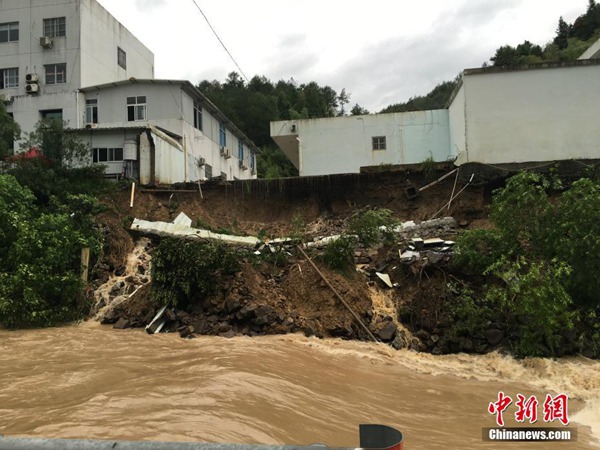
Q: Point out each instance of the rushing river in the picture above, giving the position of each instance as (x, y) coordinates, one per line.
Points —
(89, 381)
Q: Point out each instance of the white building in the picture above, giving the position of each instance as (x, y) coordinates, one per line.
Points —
(71, 60)
(497, 116)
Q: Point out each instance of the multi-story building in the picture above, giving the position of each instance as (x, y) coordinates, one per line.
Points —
(71, 60)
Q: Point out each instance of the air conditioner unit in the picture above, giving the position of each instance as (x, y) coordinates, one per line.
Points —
(7, 98)
(243, 166)
(31, 78)
(201, 161)
(46, 42)
(32, 88)
(222, 150)
(227, 153)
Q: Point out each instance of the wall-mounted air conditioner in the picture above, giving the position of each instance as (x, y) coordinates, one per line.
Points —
(31, 78)
(227, 154)
(32, 88)
(6, 98)
(222, 150)
(243, 166)
(46, 42)
(201, 162)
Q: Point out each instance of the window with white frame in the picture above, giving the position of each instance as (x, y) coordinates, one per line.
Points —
(9, 78)
(55, 27)
(100, 155)
(56, 73)
(379, 143)
(197, 116)
(121, 58)
(91, 110)
(222, 135)
(9, 32)
(136, 108)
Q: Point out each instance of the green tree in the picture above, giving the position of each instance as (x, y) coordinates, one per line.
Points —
(9, 132)
(562, 34)
(358, 110)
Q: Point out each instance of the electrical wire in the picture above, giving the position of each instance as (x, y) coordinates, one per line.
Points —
(220, 41)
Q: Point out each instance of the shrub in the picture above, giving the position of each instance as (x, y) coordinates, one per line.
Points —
(373, 226)
(339, 254)
(184, 271)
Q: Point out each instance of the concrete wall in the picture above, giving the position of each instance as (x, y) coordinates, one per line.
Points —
(458, 124)
(544, 114)
(101, 34)
(344, 144)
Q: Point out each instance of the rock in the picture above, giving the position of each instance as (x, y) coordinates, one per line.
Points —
(148, 317)
(465, 344)
(228, 334)
(223, 328)
(387, 333)
(400, 341)
(463, 223)
(121, 324)
(170, 315)
(423, 335)
(186, 332)
(232, 305)
(494, 337)
(200, 326)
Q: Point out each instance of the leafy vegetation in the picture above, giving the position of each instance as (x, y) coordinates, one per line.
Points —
(539, 262)
(339, 254)
(48, 217)
(373, 226)
(186, 271)
(9, 132)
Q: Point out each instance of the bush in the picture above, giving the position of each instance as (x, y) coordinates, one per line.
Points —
(373, 226)
(339, 254)
(185, 271)
(540, 261)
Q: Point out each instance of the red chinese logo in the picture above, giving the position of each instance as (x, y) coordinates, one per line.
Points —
(555, 408)
(498, 407)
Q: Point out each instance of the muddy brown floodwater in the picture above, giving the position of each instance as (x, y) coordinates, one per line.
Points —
(89, 381)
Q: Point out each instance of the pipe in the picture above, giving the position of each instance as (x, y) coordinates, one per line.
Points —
(361, 323)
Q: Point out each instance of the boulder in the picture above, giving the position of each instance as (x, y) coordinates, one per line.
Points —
(387, 332)
(121, 324)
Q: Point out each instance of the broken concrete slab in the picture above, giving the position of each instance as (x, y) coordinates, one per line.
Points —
(433, 242)
(158, 322)
(175, 230)
(183, 220)
(385, 278)
(409, 256)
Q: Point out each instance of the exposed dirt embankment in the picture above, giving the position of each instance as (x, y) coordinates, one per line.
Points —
(281, 295)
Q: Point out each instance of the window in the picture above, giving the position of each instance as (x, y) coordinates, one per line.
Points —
(56, 73)
(9, 32)
(240, 151)
(252, 162)
(379, 143)
(121, 58)
(9, 78)
(100, 155)
(197, 116)
(222, 135)
(91, 111)
(136, 108)
(53, 114)
(55, 27)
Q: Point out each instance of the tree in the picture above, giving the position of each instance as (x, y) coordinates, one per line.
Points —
(506, 56)
(562, 34)
(358, 110)
(9, 132)
(343, 99)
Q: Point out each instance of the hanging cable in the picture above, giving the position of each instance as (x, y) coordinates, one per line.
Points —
(220, 41)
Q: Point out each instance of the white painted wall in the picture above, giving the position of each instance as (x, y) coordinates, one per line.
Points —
(458, 124)
(169, 107)
(344, 144)
(544, 114)
(101, 34)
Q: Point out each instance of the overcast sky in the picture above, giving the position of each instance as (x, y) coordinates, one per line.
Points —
(381, 51)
